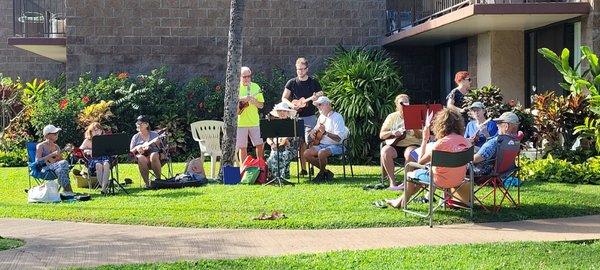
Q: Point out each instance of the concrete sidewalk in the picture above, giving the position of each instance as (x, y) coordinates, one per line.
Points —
(57, 244)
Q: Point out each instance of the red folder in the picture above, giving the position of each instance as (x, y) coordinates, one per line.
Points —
(414, 115)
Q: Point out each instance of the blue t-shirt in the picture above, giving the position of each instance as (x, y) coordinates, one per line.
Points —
(488, 152)
(472, 128)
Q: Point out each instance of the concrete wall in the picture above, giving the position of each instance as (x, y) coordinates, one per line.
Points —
(500, 61)
(190, 36)
(16, 62)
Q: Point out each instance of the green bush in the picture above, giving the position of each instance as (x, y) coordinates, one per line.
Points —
(362, 85)
(16, 158)
(272, 87)
(559, 170)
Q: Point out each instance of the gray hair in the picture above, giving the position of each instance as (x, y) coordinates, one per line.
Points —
(245, 69)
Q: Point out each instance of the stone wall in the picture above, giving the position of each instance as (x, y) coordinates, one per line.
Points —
(16, 62)
(190, 36)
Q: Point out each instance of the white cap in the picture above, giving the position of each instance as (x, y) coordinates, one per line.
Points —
(477, 104)
(508, 117)
(321, 100)
(49, 129)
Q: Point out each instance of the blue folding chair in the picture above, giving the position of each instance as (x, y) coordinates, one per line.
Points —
(35, 167)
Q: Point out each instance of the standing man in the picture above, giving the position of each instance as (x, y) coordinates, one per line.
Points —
(303, 91)
(251, 99)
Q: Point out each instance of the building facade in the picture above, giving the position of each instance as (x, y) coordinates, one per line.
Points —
(495, 40)
(189, 36)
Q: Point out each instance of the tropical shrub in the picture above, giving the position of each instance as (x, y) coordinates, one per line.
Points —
(10, 104)
(272, 87)
(586, 83)
(362, 85)
(559, 170)
(14, 158)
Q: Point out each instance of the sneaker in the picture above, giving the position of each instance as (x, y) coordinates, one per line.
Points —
(328, 175)
(320, 177)
(396, 188)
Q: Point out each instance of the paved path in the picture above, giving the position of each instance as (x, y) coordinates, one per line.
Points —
(57, 244)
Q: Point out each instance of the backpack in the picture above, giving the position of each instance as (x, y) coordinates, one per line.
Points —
(259, 163)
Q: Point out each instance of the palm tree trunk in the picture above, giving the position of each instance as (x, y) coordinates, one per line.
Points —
(232, 81)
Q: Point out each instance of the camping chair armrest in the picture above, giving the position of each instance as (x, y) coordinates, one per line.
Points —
(415, 165)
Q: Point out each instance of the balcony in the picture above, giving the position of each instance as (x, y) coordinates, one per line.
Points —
(40, 27)
(413, 22)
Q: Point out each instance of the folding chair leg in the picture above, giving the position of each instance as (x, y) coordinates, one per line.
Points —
(431, 196)
(344, 169)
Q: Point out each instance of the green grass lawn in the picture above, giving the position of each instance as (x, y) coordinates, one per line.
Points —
(7, 243)
(525, 255)
(341, 204)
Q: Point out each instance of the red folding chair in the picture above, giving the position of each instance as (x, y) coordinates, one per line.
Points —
(505, 166)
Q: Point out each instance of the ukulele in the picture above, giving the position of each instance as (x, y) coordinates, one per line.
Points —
(161, 134)
(395, 140)
(58, 157)
(318, 135)
(302, 102)
(244, 104)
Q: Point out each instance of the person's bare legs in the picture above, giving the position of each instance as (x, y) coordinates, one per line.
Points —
(155, 163)
(322, 157)
(311, 156)
(243, 154)
(260, 150)
(106, 175)
(143, 166)
(388, 154)
(409, 190)
(302, 158)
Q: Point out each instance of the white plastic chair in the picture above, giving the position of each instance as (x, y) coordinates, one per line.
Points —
(208, 135)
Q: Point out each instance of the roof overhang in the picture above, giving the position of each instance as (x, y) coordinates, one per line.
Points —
(53, 48)
(475, 19)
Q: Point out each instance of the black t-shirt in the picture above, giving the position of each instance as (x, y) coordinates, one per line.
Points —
(304, 89)
(457, 96)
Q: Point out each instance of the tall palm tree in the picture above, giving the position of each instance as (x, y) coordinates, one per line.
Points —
(232, 80)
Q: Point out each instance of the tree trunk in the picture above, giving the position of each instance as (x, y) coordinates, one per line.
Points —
(232, 81)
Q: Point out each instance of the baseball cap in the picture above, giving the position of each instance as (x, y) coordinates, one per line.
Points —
(477, 104)
(322, 99)
(49, 129)
(508, 117)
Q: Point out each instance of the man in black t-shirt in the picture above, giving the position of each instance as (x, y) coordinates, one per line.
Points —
(299, 93)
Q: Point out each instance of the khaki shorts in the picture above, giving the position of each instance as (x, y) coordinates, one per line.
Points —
(242, 136)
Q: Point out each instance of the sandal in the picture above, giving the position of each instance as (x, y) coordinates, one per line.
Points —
(380, 204)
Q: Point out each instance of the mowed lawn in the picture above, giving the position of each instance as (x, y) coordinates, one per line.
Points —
(524, 255)
(340, 204)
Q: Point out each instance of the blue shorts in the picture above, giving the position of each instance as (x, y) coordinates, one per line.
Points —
(309, 123)
(335, 149)
(421, 174)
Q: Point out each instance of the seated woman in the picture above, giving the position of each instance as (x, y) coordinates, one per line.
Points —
(146, 152)
(50, 153)
(447, 127)
(285, 151)
(479, 130)
(406, 141)
(98, 166)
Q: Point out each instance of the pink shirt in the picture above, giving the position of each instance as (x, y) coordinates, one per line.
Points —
(450, 177)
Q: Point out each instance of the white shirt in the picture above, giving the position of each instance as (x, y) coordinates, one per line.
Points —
(334, 124)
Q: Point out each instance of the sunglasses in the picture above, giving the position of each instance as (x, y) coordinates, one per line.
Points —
(247, 76)
(468, 79)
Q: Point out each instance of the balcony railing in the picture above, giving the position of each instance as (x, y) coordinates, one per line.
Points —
(39, 18)
(403, 14)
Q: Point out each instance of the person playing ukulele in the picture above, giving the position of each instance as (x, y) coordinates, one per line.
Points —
(248, 118)
(300, 93)
(147, 155)
(327, 137)
(50, 153)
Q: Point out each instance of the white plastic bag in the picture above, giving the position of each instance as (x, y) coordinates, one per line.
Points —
(44, 193)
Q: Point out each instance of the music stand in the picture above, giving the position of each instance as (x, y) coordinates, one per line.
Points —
(278, 128)
(112, 145)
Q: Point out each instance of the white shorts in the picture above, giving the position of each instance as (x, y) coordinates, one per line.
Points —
(242, 137)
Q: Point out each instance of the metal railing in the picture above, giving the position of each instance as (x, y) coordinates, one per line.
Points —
(39, 18)
(404, 14)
